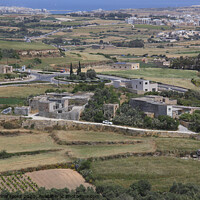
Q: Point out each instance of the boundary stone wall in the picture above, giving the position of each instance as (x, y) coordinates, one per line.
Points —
(73, 125)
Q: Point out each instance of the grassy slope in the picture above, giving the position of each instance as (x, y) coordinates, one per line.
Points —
(169, 76)
(24, 45)
(25, 91)
(106, 150)
(92, 136)
(27, 142)
(160, 171)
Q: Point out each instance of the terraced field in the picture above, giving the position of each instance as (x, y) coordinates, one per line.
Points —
(127, 158)
(17, 182)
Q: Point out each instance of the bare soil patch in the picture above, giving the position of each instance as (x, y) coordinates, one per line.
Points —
(58, 178)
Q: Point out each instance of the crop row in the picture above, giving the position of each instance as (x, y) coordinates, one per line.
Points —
(17, 182)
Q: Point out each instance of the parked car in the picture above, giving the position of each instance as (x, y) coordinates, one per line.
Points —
(107, 122)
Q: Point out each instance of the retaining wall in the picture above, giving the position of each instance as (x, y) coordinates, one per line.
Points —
(73, 125)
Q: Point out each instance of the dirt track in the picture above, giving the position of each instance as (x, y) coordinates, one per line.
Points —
(58, 178)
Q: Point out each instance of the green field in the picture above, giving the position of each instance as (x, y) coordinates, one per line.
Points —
(12, 101)
(27, 142)
(91, 136)
(176, 77)
(24, 46)
(84, 151)
(161, 172)
(177, 144)
(20, 92)
(61, 62)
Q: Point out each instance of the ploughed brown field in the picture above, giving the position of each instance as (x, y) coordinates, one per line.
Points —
(58, 178)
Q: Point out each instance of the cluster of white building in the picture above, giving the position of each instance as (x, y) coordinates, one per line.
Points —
(179, 20)
(21, 10)
(136, 20)
(174, 36)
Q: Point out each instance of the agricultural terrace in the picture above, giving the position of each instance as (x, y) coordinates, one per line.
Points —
(29, 148)
(17, 182)
(24, 46)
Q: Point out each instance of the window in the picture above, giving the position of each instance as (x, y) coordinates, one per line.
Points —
(169, 109)
(140, 83)
(146, 83)
(146, 89)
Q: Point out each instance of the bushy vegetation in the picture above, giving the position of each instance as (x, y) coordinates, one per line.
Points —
(130, 117)
(140, 190)
(94, 110)
(186, 63)
(193, 119)
(8, 53)
(55, 90)
(90, 74)
(87, 87)
(189, 98)
(132, 44)
(13, 124)
(12, 101)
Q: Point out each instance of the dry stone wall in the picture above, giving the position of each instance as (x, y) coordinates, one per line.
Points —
(72, 125)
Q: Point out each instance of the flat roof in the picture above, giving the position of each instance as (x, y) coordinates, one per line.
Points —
(124, 63)
(145, 99)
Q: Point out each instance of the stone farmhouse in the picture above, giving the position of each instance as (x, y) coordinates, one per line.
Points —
(158, 105)
(126, 66)
(5, 69)
(60, 106)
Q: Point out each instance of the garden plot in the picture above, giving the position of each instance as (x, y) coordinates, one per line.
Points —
(17, 182)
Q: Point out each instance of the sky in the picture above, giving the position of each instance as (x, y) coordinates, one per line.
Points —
(95, 4)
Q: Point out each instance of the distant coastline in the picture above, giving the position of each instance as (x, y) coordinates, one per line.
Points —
(86, 5)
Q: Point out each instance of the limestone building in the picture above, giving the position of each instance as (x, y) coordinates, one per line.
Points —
(6, 69)
(60, 106)
(126, 66)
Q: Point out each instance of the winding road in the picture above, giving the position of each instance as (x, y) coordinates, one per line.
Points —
(50, 78)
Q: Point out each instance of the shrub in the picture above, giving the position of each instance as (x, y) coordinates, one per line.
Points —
(15, 124)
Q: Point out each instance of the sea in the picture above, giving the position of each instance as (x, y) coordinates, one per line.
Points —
(63, 6)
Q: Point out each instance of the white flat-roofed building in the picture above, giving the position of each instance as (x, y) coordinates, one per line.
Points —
(126, 66)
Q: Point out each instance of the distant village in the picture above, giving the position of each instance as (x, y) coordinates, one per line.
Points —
(21, 10)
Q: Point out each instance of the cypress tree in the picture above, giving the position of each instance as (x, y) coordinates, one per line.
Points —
(79, 68)
(71, 69)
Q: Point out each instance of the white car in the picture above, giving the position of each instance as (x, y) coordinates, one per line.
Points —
(107, 122)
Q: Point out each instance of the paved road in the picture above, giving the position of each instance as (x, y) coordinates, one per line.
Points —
(180, 131)
(160, 85)
(51, 79)
(32, 78)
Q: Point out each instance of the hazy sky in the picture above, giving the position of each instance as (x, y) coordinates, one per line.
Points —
(94, 4)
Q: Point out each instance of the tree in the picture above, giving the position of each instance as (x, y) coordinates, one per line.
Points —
(1, 56)
(91, 74)
(143, 187)
(71, 70)
(37, 61)
(83, 76)
(79, 68)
